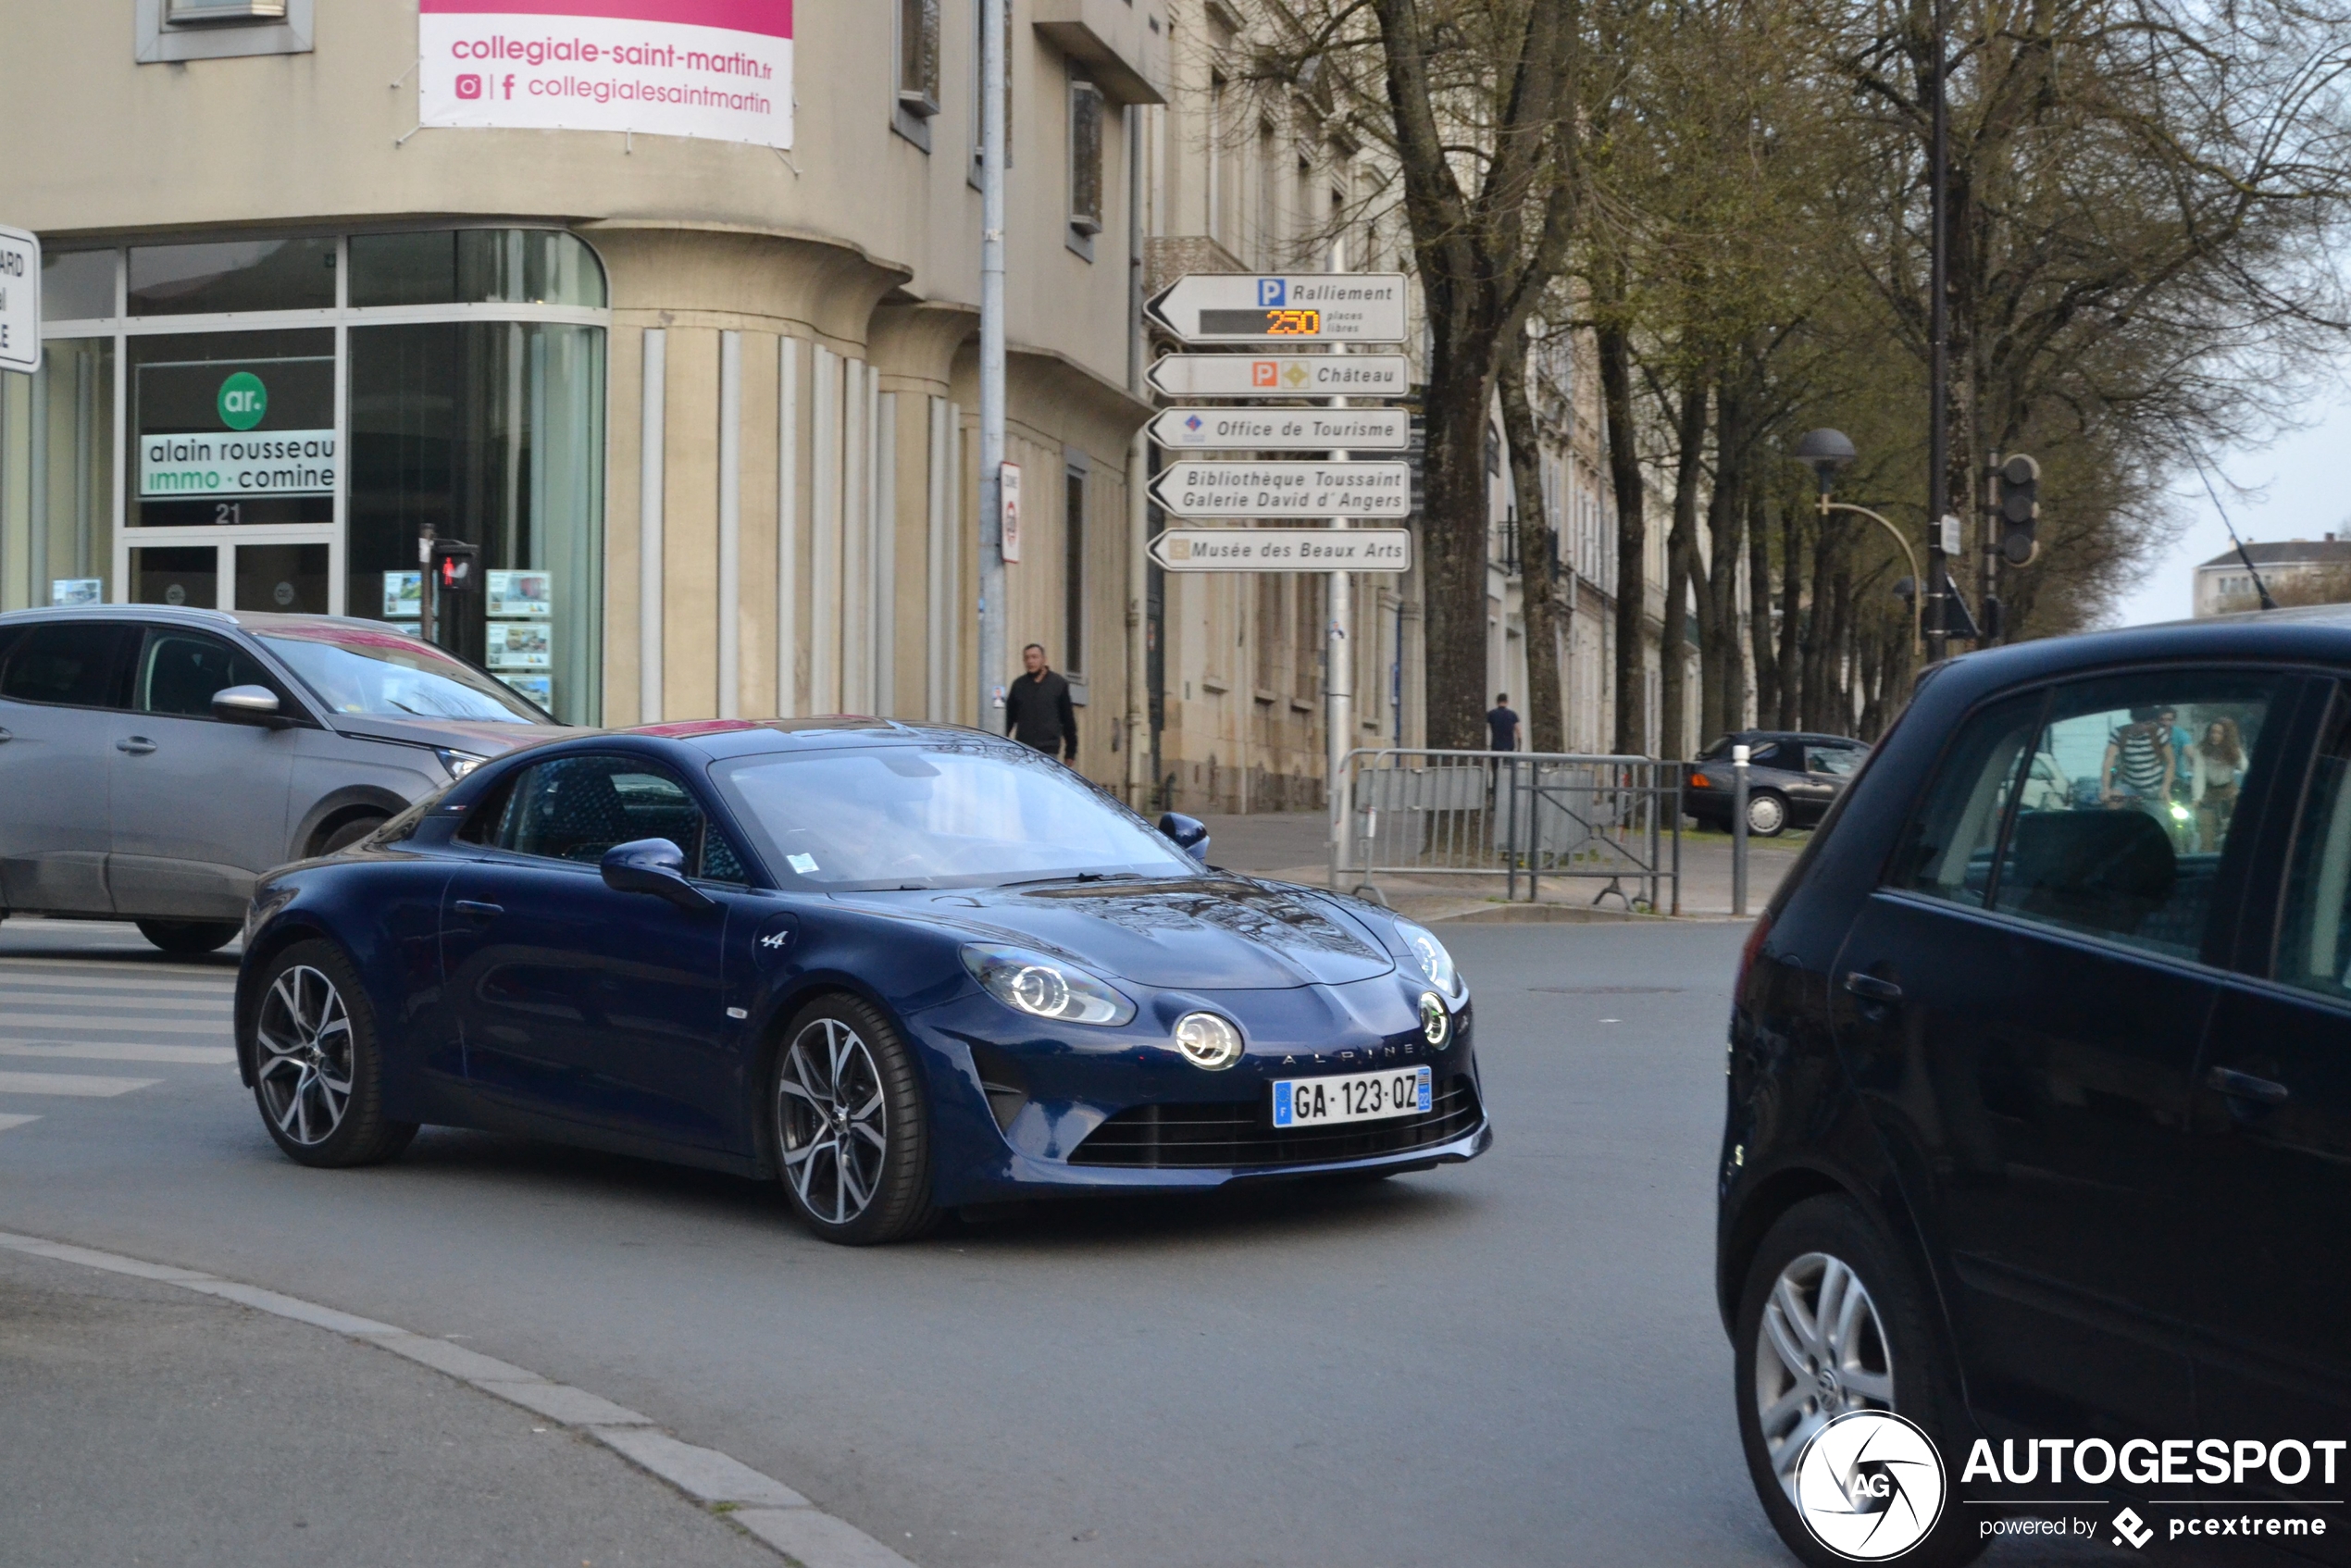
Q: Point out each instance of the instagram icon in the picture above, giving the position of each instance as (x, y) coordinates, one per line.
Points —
(469, 86)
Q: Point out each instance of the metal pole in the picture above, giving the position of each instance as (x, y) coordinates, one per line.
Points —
(1338, 665)
(425, 626)
(1739, 755)
(1938, 481)
(993, 67)
(1138, 459)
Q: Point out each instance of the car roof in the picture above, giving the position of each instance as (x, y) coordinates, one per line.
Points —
(256, 621)
(2313, 634)
(1806, 736)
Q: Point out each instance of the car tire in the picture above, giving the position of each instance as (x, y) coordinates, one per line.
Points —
(319, 1064)
(852, 1128)
(189, 939)
(350, 833)
(1896, 1345)
(1767, 814)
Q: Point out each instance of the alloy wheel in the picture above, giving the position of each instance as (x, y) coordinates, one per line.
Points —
(832, 1121)
(1820, 1351)
(304, 1034)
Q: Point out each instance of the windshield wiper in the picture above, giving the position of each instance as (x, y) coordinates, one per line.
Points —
(1076, 876)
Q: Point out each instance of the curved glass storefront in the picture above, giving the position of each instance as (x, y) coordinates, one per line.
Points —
(290, 418)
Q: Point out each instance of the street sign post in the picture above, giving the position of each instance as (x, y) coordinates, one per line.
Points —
(1283, 550)
(1219, 307)
(1287, 375)
(19, 300)
(1285, 490)
(1284, 429)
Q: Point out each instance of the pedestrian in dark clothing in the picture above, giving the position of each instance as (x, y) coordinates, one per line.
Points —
(1036, 710)
(1501, 724)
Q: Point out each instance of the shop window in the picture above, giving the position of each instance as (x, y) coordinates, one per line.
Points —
(475, 266)
(491, 433)
(78, 285)
(57, 465)
(1086, 159)
(232, 274)
(233, 428)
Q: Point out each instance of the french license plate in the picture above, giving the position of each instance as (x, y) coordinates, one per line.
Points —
(1358, 1097)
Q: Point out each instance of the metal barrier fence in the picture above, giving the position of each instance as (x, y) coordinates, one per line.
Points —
(1399, 812)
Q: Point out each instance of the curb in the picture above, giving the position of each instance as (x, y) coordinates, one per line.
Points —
(763, 1506)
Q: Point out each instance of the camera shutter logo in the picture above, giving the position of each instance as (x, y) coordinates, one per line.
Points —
(1870, 1485)
(242, 401)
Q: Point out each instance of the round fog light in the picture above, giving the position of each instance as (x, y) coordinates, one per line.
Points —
(1436, 1024)
(1207, 1040)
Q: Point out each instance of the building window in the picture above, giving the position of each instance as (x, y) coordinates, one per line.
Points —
(181, 13)
(1217, 193)
(1074, 573)
(203, 29)
(1085, 158)
(915, 98)
(1309, 627)
(980, 85)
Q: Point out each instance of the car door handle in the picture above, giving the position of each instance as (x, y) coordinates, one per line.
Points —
(474, 911)
(136, 745)
(5, 735)
(2245, 1086)
(1868, 988)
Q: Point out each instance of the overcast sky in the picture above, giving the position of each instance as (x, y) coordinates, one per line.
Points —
(2303, 495)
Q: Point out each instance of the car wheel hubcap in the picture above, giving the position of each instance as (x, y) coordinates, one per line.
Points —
(304, 1034)
(1819, 1351)
(831, 1121)
(1763, 816)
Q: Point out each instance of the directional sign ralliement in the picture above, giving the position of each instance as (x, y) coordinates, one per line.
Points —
(19, 300)
(1222, 307)
(1283, 550)
(1284, 429)
(1288, 374)
(1285, 490)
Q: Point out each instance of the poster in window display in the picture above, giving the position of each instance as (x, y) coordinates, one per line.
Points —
(540, 689)
(76, 590)
(518, 595)
(404, 595)
(520, 645)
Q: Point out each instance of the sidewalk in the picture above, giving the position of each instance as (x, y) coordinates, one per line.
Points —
(1295, 847)
(141, 1423)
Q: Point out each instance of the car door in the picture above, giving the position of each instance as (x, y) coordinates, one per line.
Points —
(1827, 770)
(198, 804)
(60, 687)
(605, 1008)
(2273, 1121)
(2024, 1000)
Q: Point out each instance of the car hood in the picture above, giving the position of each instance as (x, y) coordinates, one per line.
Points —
(1203, 934)
(483, 739)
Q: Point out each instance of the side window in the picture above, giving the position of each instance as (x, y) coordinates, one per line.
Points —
(73, 663)
(2129, 802)
(2314, 938)
(178, 672)
(1838, 762)
(578, 808)
(1947, 850)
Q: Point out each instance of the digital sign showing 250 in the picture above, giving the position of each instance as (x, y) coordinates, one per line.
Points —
(1263, 323)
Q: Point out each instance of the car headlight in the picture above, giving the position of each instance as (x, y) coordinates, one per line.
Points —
(1045, 988)
(1430, 955)
(1436, 1024)
(1208, 1040)
(459, 764)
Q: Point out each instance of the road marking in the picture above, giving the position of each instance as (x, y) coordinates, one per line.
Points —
(779, 1516)
(86, 1085)
(8, 1122)
(84, 1021)
(46, 995)
(93, 1051)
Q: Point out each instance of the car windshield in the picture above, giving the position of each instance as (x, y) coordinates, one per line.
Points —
(390, 675)
(943, 816)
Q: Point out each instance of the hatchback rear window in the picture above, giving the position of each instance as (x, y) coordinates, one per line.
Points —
(73, 664)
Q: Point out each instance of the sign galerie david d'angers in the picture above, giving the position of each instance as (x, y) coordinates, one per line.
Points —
(716, 68)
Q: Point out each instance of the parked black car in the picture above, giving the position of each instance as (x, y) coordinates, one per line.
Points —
(1792, 778)
(2040, 1079)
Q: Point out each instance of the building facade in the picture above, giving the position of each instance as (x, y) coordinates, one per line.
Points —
(2296, 571)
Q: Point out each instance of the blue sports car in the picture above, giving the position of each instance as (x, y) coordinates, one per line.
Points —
(900, 969)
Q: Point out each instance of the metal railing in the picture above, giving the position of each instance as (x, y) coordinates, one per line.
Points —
(1399, 814)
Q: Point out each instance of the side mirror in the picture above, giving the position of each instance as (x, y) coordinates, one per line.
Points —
(1189, 833)
(249, 704)
(656, 866)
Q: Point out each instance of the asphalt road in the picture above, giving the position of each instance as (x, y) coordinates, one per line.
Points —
(1515, 1361)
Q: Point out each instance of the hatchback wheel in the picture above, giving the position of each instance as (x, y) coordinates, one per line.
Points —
(317, 1068)
(1832, 1319)
(189, 939)
(853, 1135)
(345, 836)
(1766, 814)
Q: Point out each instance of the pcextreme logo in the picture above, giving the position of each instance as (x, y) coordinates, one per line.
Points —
(1868, 1486)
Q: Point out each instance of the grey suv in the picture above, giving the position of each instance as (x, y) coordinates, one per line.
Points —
(154, 762)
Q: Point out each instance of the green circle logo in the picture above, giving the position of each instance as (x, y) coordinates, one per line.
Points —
(243, 400)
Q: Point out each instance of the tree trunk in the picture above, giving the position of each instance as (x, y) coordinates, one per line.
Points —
(1759, 595)
(1454, 531)
(1631, 543)
(1546, 715)
(1682, 573)
(1791, 618)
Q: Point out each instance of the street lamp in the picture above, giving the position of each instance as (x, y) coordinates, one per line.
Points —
(1827, 452)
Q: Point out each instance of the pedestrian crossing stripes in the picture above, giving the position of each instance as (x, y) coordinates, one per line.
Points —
(87, 1086)
(106, 1051)
(8, 1122)
(74, 1014)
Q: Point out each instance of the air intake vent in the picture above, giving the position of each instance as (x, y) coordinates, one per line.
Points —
(1242, 1137)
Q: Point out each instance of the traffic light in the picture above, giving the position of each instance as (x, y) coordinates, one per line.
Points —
(2019, 482)
(453, 566)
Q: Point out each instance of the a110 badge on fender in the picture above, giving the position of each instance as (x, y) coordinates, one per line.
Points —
(1359, 1097)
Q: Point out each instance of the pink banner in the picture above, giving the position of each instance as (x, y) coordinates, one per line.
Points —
(771, 18)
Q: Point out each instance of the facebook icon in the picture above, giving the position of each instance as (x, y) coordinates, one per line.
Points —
(1273, 291)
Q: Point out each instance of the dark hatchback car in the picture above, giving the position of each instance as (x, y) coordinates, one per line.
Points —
(1792, 778)
(2040, 1083)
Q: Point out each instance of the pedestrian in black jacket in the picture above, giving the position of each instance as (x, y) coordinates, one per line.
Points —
(1037, 709)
